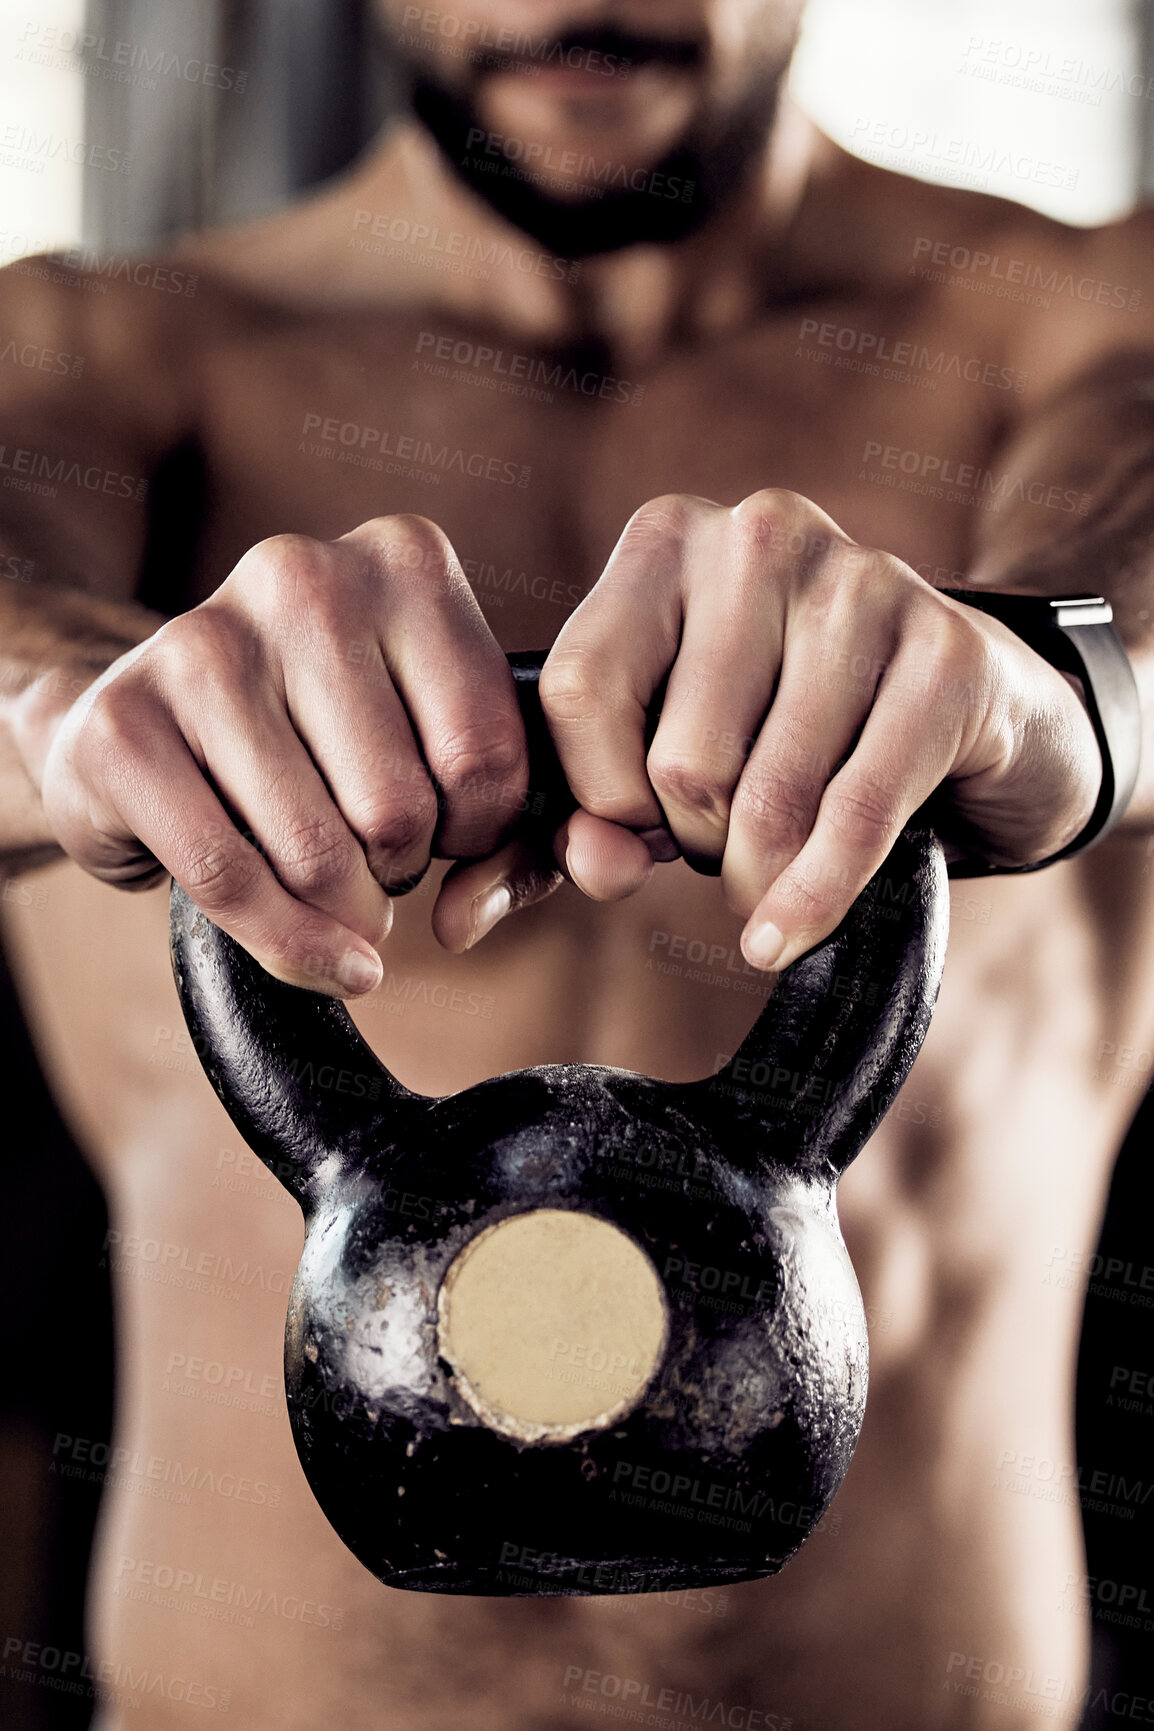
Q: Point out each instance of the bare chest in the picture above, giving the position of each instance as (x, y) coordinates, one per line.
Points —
(532, 460)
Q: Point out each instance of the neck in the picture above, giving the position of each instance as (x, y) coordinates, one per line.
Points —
(640, 300)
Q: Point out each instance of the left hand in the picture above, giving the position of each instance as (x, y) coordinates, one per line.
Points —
(818, 692)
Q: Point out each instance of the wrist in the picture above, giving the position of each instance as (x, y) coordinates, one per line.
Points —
(34, 715)
(1074, 635)
(55, 655)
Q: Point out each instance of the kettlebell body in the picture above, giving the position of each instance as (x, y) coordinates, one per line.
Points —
(575, 1330)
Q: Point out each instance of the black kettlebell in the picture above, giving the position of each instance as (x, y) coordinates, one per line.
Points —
(575, 1330)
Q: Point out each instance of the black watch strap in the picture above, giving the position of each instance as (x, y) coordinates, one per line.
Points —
(1074, 633)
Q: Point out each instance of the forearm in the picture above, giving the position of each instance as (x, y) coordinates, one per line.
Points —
(54, 642)
(1095, 448)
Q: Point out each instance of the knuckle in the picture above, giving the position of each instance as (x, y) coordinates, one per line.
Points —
(289, 565)
(568, 687)
(112, 724)
(762, 515)
(778, 806)
(776, 519)
(317, 854)
(204, 632)
(205, 645)
(402, 542)
(220, 874)
(303, 945)
(667, 517)
(413, 542)
(397, 825)
(290, 586)
(810, 904)
(477, 758)
(691, 785)
(302, 594)
(813, 899)
(804, 543)
(863, 816)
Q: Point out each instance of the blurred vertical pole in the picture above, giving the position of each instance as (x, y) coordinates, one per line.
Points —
(227, 108)
(312, 102)
(1144, 28)
(150, 109)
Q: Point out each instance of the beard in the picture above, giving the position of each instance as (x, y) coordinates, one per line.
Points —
(704, 170)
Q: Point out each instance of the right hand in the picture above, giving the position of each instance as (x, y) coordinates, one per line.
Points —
(279, 750)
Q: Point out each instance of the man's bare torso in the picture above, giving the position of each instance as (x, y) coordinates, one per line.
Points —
(341, 371)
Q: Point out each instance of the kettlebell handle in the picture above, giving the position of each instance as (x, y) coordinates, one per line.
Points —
(808, 1085)
(549, 799)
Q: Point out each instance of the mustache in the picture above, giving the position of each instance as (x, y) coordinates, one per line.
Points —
(618, 45)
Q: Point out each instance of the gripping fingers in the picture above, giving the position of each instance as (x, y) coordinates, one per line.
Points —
(601, 674)
(812, 726)
(861, 814)
(227, 878)
(439, 688)
(260, 768)
(587, 850)
(374, 769)
(155, 798)
(604, 860)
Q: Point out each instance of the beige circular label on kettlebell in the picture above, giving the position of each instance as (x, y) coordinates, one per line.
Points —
(554, 1323)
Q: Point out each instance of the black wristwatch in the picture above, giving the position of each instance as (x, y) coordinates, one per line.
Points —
(1074, 633)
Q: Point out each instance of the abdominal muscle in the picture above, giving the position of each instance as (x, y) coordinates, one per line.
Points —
(216, 1572)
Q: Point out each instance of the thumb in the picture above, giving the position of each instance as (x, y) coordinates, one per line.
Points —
(475, 895)
(603, 860)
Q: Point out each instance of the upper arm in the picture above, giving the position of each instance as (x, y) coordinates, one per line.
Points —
(1075, 465)
(93, 394)
(1086, 315)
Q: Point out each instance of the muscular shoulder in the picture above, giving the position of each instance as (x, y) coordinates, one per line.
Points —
(120, 337)
(1056, 302)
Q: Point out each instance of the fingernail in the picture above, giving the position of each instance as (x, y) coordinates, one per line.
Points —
(660, 843)
(358, 973)
(762, 944)
(488, 908)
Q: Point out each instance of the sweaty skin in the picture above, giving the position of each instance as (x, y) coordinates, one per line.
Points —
(969, 1216)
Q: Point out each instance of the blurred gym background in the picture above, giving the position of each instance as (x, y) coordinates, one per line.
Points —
(957, 90)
